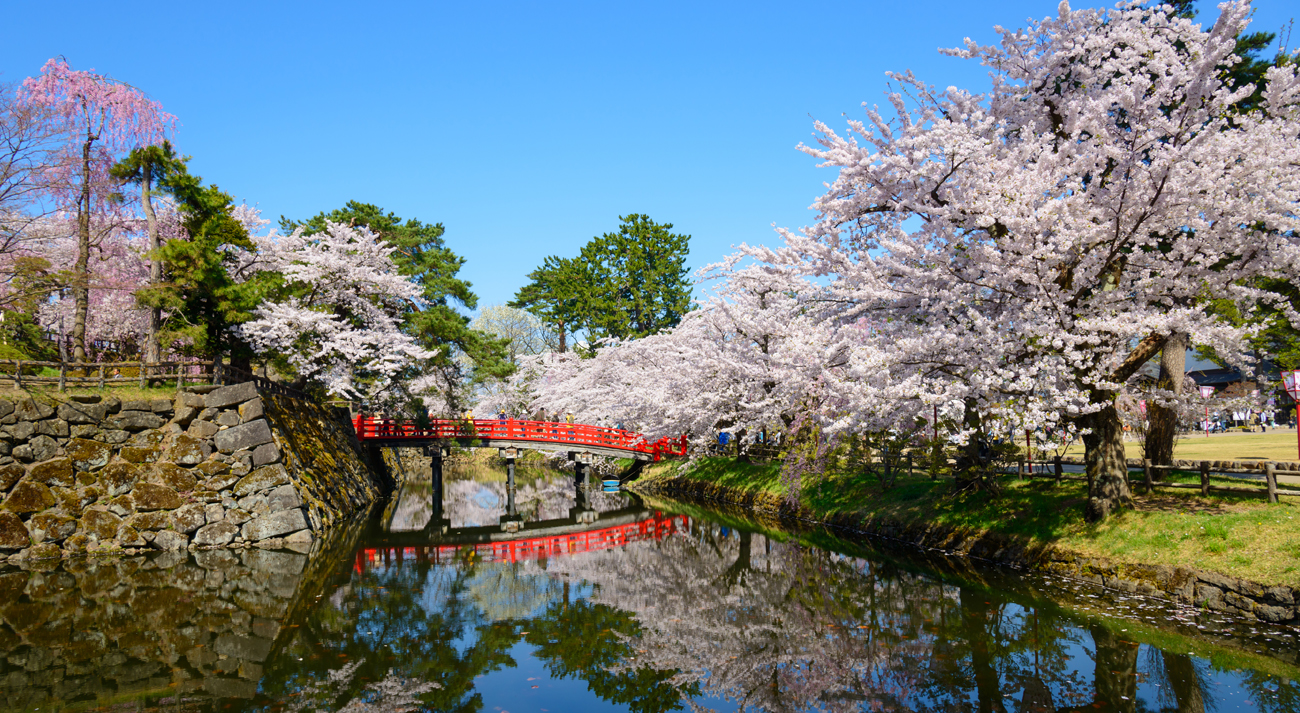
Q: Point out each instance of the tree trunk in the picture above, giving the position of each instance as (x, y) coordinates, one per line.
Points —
(81, 268)
(1115, 671)
(1162, 423)
(968, 470)
(975, 625)
(151, 346)
(562, 342)
(1182, 676)
(1106, 463)
(736, 572)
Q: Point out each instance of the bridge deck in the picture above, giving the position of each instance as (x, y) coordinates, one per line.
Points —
(511, 433)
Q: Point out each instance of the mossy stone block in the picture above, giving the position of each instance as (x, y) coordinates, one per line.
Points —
(29, 496)
(99, 525)
(13, 533)
(10, 474)
(57, 471)
(135, 454)
(87, 454)
(151, 496)
(118, 477)
(173, 476)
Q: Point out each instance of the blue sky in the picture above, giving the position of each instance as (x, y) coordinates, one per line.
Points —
(525, 129)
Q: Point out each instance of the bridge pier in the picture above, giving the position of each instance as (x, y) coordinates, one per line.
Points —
(583, 514)
(511, 521)
(437, 523)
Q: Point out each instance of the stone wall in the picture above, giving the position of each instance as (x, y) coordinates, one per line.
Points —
(216, 467)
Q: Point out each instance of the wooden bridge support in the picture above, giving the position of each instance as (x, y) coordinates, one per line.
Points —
(511, 521)
(583, 513)
(437, 523)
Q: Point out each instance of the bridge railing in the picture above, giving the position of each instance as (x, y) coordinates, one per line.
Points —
(576, 434)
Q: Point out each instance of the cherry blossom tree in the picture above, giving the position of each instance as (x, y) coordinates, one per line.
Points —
(749, 358)
(1011, 257)
(335, 314)
(104, 118)
(1067, 220)
(28, 144)
(115, 270)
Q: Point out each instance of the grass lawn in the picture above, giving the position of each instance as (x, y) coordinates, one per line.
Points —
(120, 390)
(1274, 445)
(1234, 534)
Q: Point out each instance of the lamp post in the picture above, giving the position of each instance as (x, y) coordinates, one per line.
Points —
(1291, 380)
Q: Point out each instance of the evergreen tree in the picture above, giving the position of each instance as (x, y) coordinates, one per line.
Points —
(559, 294)
(201, 293)
(624, 285)
(145, 167)
(640, 279)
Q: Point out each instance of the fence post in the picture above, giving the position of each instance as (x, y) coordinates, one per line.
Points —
(1270, 477)
(1205, 477)
(101, 376)
(18, 374)
(909, 466)
(141, 372)
(1059, 471)
(63, 375)
(180, 377)
(1146, 475)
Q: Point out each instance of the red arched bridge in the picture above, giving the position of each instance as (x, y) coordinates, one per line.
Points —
(510, 433)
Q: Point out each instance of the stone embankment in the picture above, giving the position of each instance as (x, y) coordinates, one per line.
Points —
(216, 467)
(1201, 588)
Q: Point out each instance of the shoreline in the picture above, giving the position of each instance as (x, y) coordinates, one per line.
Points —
(1205, 589)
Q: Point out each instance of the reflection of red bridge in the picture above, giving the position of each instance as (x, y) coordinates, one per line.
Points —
(655, 527)
(509, 433)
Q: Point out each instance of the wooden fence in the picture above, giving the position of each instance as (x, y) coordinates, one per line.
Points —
(135, 373)
(1270, 489)
(107, 373)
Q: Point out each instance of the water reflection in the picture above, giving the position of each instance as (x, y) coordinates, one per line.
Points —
(475, 495)
(639, 610)
(170, 626)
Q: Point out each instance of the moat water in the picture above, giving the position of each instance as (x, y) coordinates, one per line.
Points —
(653, 606)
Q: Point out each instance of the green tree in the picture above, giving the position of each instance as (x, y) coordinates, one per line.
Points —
(641, 273)
(627, 284)
(422, 255)
(145, 167)
(200, 292)
(559, 294)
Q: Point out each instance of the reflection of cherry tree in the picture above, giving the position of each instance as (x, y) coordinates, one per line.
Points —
(776, 627)
(766, 625)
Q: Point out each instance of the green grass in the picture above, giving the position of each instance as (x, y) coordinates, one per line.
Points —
(123, 391)
(1235, 534)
